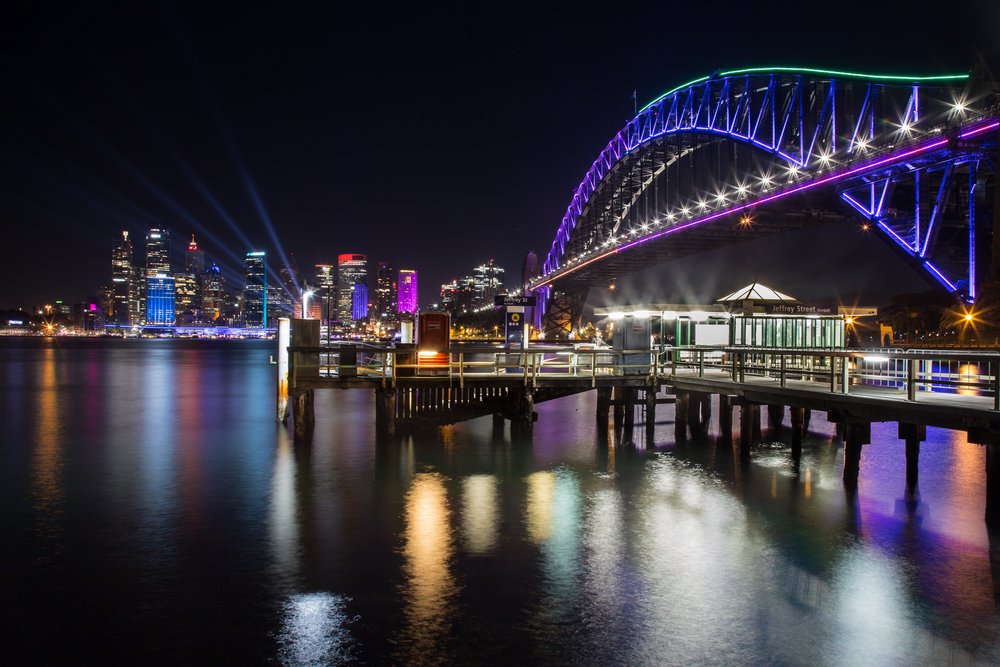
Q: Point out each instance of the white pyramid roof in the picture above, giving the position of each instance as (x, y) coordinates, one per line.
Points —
(756, 292)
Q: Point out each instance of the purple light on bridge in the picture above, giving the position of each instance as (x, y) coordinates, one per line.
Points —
(853, 171)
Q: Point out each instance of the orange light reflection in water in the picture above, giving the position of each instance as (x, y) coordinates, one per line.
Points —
(46, 479)
(430, 586)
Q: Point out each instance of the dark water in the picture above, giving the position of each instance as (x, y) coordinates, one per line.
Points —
(154, 513)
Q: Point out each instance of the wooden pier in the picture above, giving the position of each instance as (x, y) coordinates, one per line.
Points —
(951, 389)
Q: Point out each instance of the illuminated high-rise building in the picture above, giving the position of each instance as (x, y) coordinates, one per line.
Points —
(407, 288)
(352, 269)
(458, 296)
(359, 302)
(489, 283)
(122, 287)
(160, 300)
(186, 297)
(325, 292)
(157, 253)
(194, 258)
(254, 290)
(212, 295)
(385, 293)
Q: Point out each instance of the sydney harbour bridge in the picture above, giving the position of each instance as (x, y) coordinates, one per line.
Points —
(747, 153)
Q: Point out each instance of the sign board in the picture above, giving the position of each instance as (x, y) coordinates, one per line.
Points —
(858, 311)
(798, 309)
(514, 329)
(510, 300)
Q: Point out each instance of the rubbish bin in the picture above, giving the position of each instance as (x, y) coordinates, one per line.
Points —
(347, 367)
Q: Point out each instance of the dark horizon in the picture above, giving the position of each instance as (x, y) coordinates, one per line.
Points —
(435, 139)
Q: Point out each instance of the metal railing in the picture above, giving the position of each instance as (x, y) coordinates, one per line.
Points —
(909, 372)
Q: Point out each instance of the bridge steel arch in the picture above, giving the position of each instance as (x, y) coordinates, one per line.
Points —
(751, 152)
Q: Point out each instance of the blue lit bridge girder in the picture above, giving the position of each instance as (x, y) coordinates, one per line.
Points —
(749, 153)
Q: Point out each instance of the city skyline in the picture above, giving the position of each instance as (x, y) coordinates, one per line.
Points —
(162, 125)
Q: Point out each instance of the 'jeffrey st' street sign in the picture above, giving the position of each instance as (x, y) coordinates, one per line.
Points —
(509, 300)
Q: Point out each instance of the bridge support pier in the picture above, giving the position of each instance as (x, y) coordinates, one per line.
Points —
(856, 434)
(798, 427)
(385, 410)
(913, 434)
(681, 413)
(726, 416)
(303, 415)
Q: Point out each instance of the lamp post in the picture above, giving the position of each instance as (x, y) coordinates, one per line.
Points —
(305, 303)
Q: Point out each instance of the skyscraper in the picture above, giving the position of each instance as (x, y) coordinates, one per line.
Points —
(352, 269)
(160, 300)
(489, 283)
(359, 302)
(122, 283)
(385, 293)
(157, 253)
(254, 292)
(326, 292)
(212, 296)
(407, 286)
(194, 258)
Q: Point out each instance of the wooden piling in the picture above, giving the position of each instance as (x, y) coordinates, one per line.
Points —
(681, 416)
(603, 405)
(726, 415)
(993, 484)
(775, 416)
(798, 422)
(630, 395)
(650, 397)
(856, 434)
(619, 405)
(749, 415)
(913, 434)
(385, 410)
(303, 415)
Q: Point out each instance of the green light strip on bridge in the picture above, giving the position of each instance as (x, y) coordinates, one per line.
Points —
(896, 78)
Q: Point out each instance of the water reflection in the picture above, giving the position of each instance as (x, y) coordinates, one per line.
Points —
(283, 519)
(48, 458)
(480, 514)
(553, 516)
(540, 505)
(315, 630)
(429, 587)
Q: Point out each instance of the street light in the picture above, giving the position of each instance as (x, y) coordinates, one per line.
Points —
(305, 303)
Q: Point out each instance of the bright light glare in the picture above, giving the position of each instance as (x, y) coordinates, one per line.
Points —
(617, 315)
(876, 359)
(640, 314)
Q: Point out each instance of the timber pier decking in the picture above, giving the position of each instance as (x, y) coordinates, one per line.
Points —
(955, 389)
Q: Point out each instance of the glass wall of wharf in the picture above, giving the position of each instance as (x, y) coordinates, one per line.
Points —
(788, 332)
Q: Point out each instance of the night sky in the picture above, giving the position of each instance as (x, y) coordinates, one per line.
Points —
(434, 137)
